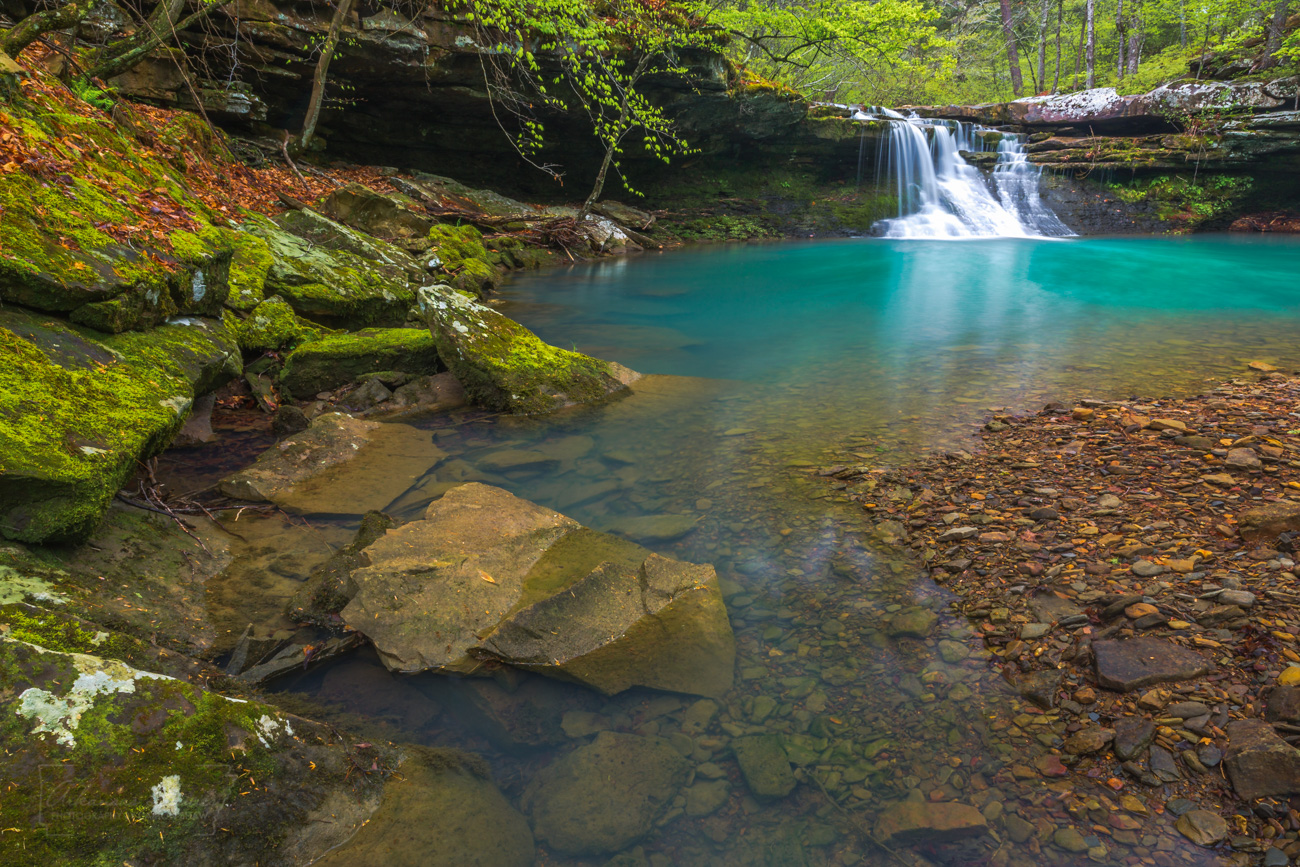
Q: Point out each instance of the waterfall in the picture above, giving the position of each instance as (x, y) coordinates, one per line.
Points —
(940, 195)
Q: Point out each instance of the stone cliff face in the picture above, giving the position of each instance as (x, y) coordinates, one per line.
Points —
(411, 93)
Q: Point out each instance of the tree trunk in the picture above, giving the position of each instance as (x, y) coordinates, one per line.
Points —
(1091, 24)
(1182, 24)
(1078, 54)
(1042, 45)
(1135, 37)
(322, 73)
(36, 25)
(1274, 40)
(1013, 56)
(1120, 32)
(1060, 16)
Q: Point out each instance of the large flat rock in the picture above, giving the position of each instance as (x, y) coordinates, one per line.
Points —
(486, 574)
(1260, 764)
(339, 465)
(1133, 663)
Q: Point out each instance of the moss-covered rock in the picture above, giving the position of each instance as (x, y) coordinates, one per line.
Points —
(272, 325)
(460, 252)
(72, 240)
(79, 409)
(250, 262)
(334, 275)
(339, 359)
(390, 216)
(106, 764)
(505, 366)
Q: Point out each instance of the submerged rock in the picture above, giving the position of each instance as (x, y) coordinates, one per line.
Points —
(606, 795)
(443, 812)
(1259, 763)
(924, 822)
(504, 366)
(339, 465)
(765, 766)
(488, 574)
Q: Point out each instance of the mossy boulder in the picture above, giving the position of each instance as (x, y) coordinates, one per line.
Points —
(334, 275)
(79, 409)
(106, 764)
(391, 216)
(272, 325)
(74, 240)
(504, 366)
(486, 574)
(339, 359)
(459, 251)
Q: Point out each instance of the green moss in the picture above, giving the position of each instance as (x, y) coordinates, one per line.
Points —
(76, 412)
(339, 359)
(465, 257)
(67, 634)
(87, 790)
(504, 366)
(273, 325)
(55, 254)
(248, 269)
(1186, 203)
(331, 286)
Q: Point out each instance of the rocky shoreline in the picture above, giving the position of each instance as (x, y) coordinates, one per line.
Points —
(1129, 568)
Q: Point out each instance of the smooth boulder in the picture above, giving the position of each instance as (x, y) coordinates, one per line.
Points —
(606, 795)
(486, 574)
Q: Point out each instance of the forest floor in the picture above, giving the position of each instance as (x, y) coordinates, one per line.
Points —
(1130, 568)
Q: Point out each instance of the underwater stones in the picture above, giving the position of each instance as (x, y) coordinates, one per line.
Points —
(764, 765)
(504, 366)
(339, 465)
(1259, 763)
(488, 574)
(912, 622)
(654, 528)
(327, 363)
(1129, 664)
(1202, 827)
(909, 822)
(606, 795)
(329, 587)
(105, 402)
(442, 812)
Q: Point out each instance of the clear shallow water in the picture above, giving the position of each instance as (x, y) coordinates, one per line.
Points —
(797, 356)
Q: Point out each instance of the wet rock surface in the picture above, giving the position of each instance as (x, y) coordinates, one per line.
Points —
(488, 574)
(606, 795)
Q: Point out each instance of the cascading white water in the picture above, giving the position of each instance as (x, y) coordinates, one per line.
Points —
(940, 195)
